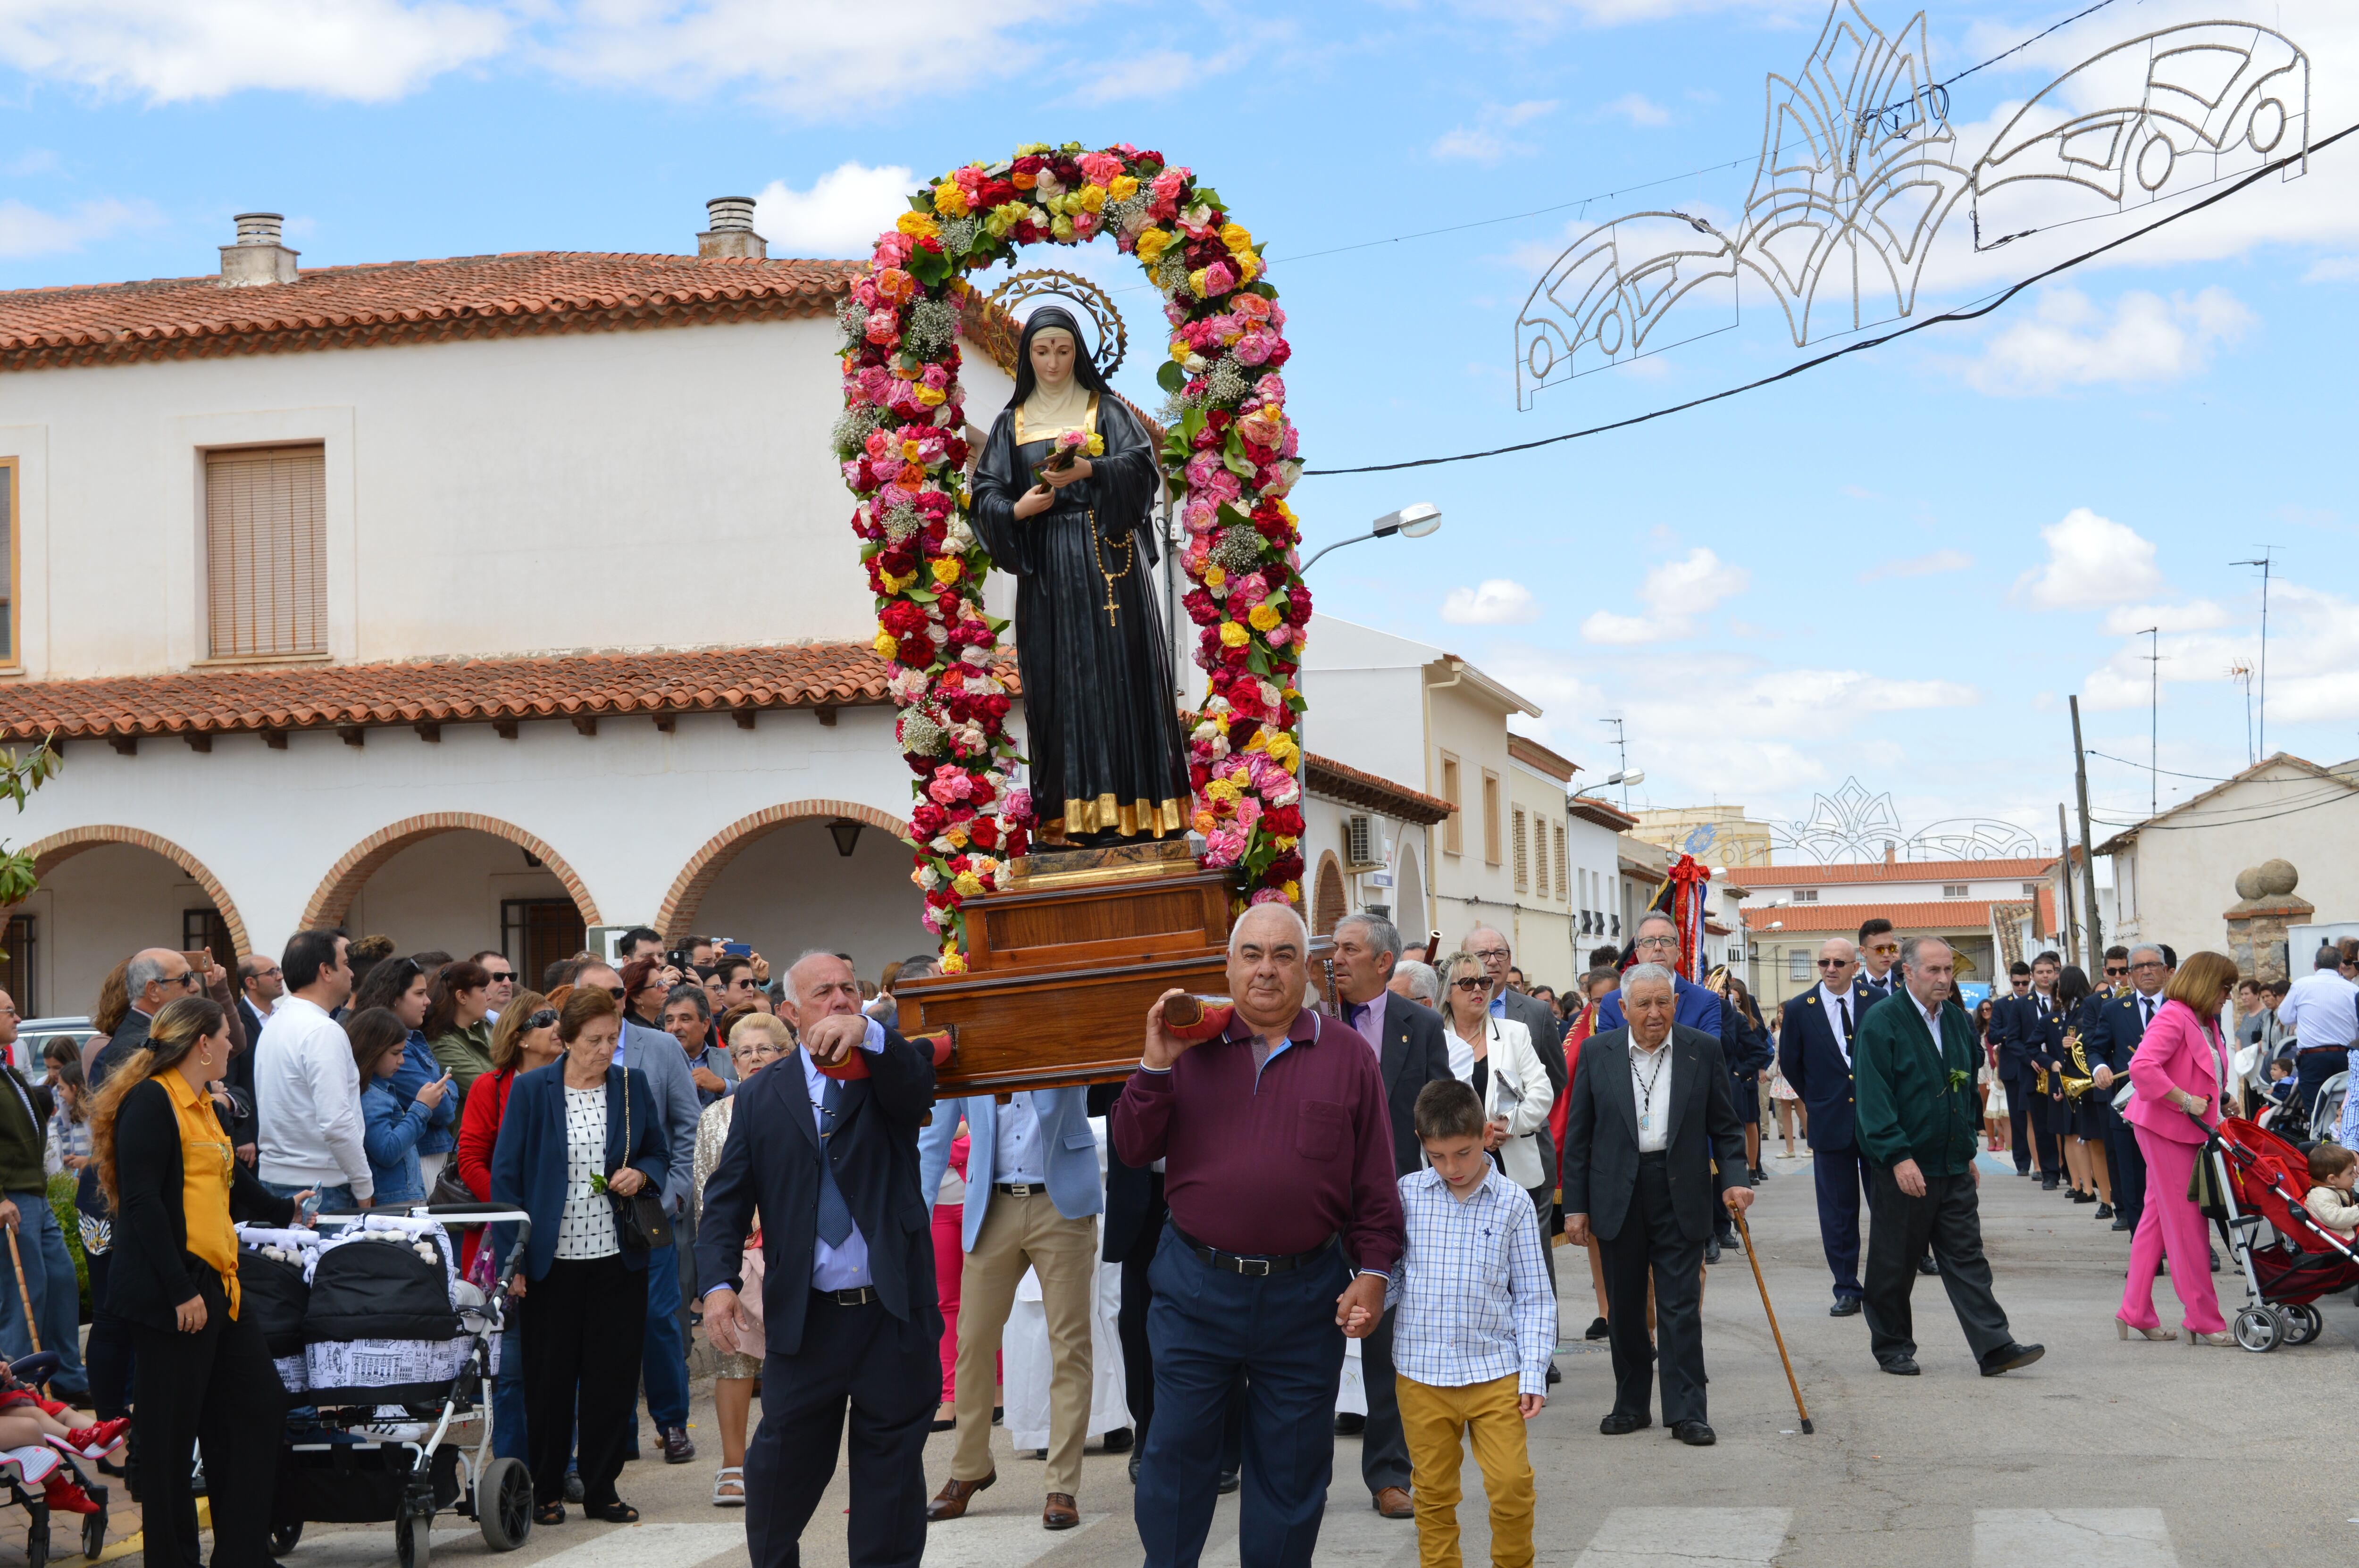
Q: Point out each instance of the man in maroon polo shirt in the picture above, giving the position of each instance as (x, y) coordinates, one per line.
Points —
(1277, 1159)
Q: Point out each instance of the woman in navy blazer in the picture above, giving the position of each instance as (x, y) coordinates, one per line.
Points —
(575, 1132)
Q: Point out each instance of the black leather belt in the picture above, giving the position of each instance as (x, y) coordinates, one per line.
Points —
(1645, 1154)
(1252, 1267)
(859, 1296)
(1020, 1189)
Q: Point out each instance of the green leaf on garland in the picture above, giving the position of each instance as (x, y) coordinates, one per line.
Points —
(1170, 378)
(1191, 423)
(929, 268)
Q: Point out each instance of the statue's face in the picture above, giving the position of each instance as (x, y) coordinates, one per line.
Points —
(1052, 357)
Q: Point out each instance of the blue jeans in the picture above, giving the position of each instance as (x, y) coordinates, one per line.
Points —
(508, 1395)
(665, 1356)
(333, 1200)
(56, 1297)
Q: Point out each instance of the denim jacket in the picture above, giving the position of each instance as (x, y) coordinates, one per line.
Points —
(392, 1129)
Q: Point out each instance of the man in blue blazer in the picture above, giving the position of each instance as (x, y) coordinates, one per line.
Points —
(663, 1360)
(848, 1297)
(1032, 1201)
(1657, 942)
(2110, 1034)
(1814, 1041)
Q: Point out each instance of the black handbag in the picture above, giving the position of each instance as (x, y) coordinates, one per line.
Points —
(641, 1222)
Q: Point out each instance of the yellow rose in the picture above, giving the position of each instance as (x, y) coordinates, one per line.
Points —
(1260, 740)
(930, 396)
(917, 225)
(1196, 283)
(1062, 228)
(946, 571)
(1096, 448)
(1282, 843)
(968, 884)
(1249, 266)
(1153, 243)
(1293, 892)
(1006, 216)
(1232, 636)
(1123, 187)
(1223, 790)
(1091, 197)
(1214, 576)
(887, 645)
(957, 837)
(1264, 618)
(953, 961)
(949, 200)
(1234, 235)
(1282, 749)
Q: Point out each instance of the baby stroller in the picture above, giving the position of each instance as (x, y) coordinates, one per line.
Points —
(389, 1357)
(2261, 1179)
(25, 1474)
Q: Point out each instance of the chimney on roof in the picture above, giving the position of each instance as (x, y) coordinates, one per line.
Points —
(1891, 855)
(732, 236)
(258, 256)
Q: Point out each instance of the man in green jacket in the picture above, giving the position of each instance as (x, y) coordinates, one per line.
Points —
(1913, 1074)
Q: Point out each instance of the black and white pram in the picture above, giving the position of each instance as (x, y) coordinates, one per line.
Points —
(389, 1358)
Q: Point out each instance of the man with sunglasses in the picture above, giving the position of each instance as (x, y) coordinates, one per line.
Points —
(502, 984)
(2107, 1045)
(1879, 951)
(1814, 1053)
(665, 1349)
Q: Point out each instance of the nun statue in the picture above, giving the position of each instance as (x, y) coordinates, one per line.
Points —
(1108, 762)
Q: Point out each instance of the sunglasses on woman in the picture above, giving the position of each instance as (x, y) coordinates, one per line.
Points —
(542, 1020)
(1471, 983)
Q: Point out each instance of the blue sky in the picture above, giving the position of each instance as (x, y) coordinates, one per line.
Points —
(1896, 567)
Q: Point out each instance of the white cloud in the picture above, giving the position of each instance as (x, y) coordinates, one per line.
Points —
(2332, 269)
(30, 231)
(1499, 601)
(1489, 139)
(2196, 615)
(2092, 561)
(1636, 108)
(173, 51)
(1930, 564)
(1674, 593)
(839, 215)
(2071, 341)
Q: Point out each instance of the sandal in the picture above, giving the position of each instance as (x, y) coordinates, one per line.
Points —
(615, 1512)
(549, 1513)
(728, 1487)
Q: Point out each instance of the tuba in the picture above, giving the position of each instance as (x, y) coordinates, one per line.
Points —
(2080, 1083)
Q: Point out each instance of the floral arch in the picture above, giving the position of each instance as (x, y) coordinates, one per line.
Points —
(1228, 457)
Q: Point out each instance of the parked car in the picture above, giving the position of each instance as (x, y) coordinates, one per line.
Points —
(33, 1037)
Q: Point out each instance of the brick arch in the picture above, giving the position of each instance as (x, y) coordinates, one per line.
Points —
(332, 900)
(676, 917)
(1328, 904)
(59, 847)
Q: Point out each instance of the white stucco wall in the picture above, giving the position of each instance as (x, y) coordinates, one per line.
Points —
(2179, 874)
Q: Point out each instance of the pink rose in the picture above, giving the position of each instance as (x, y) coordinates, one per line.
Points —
(1268, 896)
(1271, 388)
(1219, 278)
(1100, 168)
(1256, 347)
(1200, 515)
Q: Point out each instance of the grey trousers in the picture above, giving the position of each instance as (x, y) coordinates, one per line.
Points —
(1948, 1220)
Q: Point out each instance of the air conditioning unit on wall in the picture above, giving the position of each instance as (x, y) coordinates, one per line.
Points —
(1365, 849)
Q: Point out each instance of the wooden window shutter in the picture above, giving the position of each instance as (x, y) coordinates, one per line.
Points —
(266, 552)
(1491, 823)
(1523, 875)
(1562, 891)
(1453, 826)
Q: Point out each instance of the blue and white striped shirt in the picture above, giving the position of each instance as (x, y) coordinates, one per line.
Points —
(1471, 1287)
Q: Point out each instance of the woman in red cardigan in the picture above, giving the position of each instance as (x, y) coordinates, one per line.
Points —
(2181, 1066)
(524, 1038)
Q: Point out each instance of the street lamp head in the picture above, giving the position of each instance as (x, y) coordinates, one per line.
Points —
(1415, 521)
(1635, 776)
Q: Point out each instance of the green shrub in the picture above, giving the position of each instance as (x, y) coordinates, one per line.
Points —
(62, 1187)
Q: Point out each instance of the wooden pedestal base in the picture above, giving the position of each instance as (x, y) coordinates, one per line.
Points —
(1066, 963)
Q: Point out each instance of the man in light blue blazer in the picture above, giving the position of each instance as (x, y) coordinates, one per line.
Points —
(1032, 1201)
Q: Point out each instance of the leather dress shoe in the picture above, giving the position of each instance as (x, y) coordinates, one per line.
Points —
(1900, 1366)
(2080, 1196)
(951, 1500)
(2105, 1211)
(2121, 1222)
(1118, 1441)
(1596, 1329)
(1926, 1265)
(1845, 1306)
(678, 1448)
(1554, 1377)
(2009, 1356)
(1393, 1502)
(1137, 1452)
(1348, 1424)
(2047, 1184)
(1229, 1482)
(1615, 1424)
(1694, 1434)
(1711, 1250)
(1058, 1512)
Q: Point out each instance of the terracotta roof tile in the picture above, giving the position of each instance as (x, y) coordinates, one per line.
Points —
(399, 302)
(315, 696)
(1355, 787)
(1842, 919)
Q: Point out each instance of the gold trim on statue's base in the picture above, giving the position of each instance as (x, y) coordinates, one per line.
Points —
(1138, 819)
(1114, 863)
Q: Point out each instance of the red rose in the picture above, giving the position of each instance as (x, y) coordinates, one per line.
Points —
(983, 834)
(1019, 840)
(1286, 821)
(927, 819)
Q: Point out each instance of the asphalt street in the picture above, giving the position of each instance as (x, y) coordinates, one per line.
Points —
(2103, 1455)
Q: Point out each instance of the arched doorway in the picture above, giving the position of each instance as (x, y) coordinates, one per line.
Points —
(781, 880)
(1409, 899)
(460, 882)
(1328, 904)
(106, 893)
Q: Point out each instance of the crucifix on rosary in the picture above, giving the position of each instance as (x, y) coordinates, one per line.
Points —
(1129, 554)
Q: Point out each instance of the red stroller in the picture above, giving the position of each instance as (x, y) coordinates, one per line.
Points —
(2261, 1180)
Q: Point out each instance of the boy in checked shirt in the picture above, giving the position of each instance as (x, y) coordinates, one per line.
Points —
(1475, 1330)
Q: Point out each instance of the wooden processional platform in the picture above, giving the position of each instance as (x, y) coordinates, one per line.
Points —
(1065, 962)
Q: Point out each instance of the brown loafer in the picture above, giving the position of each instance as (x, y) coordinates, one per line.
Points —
(951, 1500)
(1058, 1512)
(1393, 1502)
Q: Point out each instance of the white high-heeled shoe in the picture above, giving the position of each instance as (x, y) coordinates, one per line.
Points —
(2123, 1328)
(2223, 1339)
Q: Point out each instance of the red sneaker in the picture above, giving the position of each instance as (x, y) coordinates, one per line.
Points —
(94, 1440)
(64, 1497)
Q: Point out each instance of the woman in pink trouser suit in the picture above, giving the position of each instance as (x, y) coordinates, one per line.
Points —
(2179, 1068)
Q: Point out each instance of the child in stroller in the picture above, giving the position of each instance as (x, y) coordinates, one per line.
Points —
(28, 1418)
(2333, 1172)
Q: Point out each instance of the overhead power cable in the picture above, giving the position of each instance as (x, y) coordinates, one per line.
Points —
(1963, 313)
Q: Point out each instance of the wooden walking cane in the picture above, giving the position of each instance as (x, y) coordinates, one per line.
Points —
(1754, 1257)
(24, 1293)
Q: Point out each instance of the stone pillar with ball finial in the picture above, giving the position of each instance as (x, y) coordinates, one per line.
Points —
(2264, 906)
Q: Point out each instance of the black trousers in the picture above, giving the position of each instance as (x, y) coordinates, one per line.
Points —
(585, 1322)
(106, 1354)
(1650, 1241)
(2127, 1161)
(889, 1374)
(1138, 1356)
(1384, 1446)
(1948, 1219)
(214, 1389)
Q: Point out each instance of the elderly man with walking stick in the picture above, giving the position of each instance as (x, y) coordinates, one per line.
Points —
(1913, 1073)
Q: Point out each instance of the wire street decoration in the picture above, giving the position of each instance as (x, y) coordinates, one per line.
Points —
(1860, 166)
(1851, 826)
